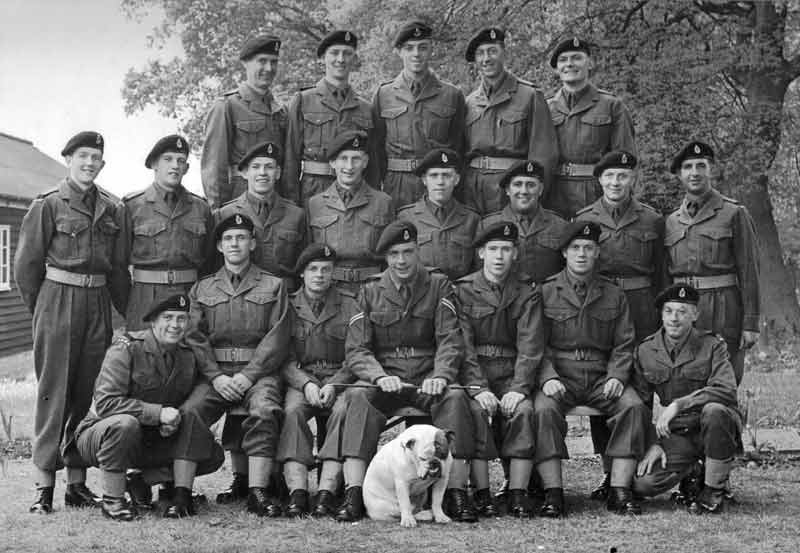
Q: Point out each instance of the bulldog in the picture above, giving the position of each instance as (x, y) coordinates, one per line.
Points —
(398, 478)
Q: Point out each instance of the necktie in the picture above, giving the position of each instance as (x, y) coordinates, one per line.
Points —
(236, 280)
(405, 293)
(317, 306)
(440, 214)
(172, 200)
(580, 289)
(169, 359)
(416, 88)
(691, 208)
(89, 199)
(673, 354)
(346, 197)
(498, 291)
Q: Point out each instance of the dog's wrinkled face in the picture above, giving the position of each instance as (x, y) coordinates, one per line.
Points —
(429, 455)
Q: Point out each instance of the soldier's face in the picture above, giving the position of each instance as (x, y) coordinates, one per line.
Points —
(498, 256)
(573, 67)
(440, 182)
(170, 327)
(349, 166)
(169, 169)
(84, 165)
(524, 193)
(678, 318)
(235, 246)
(416, 55)
(490, 60)
(339, 61)
(318, 276)
(403, 260)
(262, 174)
(260, 70)
(581, 255)
(695, 174)
(617, 183)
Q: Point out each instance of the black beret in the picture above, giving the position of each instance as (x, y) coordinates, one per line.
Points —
(313, 252)
(527, 168)
(263, 149)
(346, 38)
(237, 220)
(573, 44)
(484, 36)
(692, 150)
(171, 143)
(348, 140)
(580, 229)
(615, 159)
(438, 158)
(90, 139)
(396, 232)
(681, 293)
(264, 44)
(412, 30)
(501, 230)
(178, 302)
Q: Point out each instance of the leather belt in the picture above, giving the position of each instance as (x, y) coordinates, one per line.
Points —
(234, 355)
(317, 168)
(402, 165)
(74, 279)
(406, 352)
(180, 276)
(580, 354)
(492, 163)
(576, 169)
(320, 365)
(632, 283)
(496, 350)
(354, 274)
(709, 282)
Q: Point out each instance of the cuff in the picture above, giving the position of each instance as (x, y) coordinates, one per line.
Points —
(151, 414)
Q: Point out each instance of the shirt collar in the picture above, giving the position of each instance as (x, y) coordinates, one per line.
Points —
(162, 192)
(621, 207)
(268, 201)
(241, 275)
(397, 283)
(670, 345)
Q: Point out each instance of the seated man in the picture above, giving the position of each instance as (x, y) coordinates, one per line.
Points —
(406, 340)
(139, 418)
(589, 354)
(502, 325)
(692, 374)
(319, 315)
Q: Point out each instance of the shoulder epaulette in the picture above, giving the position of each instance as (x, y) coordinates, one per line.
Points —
(307, 87)
(132, 195)
(730, 200)
(466, 278)
(48, 193)
(229, 202)
(230, 92)
(108, 194)
(295, 293)
(198, 196)
(604, 279)
(204, 278)
(384, 83)
(527, 83)
(604, 91)
(650, 207)
(407, 206)
(551, 278)
(493, 214)
(433, 270)
(553, 213)
(346, 292)
(584, 209)
(376, 276)
(653, 335)
(123, 339)
(469, 208)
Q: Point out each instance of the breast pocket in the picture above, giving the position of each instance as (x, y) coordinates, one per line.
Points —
(676, 246)
(249, 133)
(323, 229)
(697, 372)
(281, 246)
(145, 384)
(317, 131)
(71, 239)
(258, 307)
(602, 322)
(397, 130)
(437, 122)
(558, 118)
(195, 240)
(716, 247)
(382, 326)
(460, 254)
(215, 308)
(149, 240)
(656, 375)
(108, 231)
(369, 229)
(511, 128)
(641, 245)
(597, 129)
(563, 322)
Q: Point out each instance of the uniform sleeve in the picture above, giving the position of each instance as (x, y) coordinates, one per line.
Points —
(358, 344)
(379, 136)
(620, 360)
(294, 150)
(660, 274)
(530, 345)
(623, 136)
(292, 374)
(373, 174)
(344, 375)
(112, 389)
(745, 244)
(721, 384)
(35, 235)
(458, 125)
(543, 140)
(215, 157)
(271, 350)
(197, 337)
(449, 339)
(119, 286)
(471, 373)
(209, 245)
(640, 385)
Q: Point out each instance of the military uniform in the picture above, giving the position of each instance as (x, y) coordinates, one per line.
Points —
(715, 251)
(168, 246)
(70, 267)
(236, 123)
(316, 116)
(510, 124)
(445, 241)
(588, 124)
(408, 127)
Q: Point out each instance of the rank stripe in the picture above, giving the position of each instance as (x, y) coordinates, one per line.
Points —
(355, 318)
(448, 304)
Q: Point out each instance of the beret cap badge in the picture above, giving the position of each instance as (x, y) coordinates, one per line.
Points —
(492, 34)
(355, 142)
(238, 219)
(444, 158)
(417, 31)
(576, 42)
(507, 230)
(696, 149)
(406, 235)
(586, 230)
(182, 301)
(682, 293)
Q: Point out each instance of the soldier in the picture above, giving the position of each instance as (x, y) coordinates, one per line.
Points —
(539, 229)
(413, 114)
(280, 226)
(169, 228)
(242, 312)
(446, 227)
(241, 119)
(350, 215)
(407, 341)
(589, 338)
(139, 419)
(507, 120)
(711, 245)
(690, 371)
(70, 267)
(319, 314)
(631, 256)
(589, 123)
(502, 325)
(318, 114)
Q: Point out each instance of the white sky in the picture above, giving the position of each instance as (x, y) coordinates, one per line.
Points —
(62, 64)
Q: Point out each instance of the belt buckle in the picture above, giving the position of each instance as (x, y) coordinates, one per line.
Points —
(170, 276)
(233, 355)
(412, 164)
(566, 169)
(88, 280)
(403, 351)
(484, 162)
(349, 274)
(579, 354)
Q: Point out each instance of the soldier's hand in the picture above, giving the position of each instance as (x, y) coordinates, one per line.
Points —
(390, 384)
(509, 402)
(311, 392)
(488, 402)
(613, 388)
(749, 339)
(166, 430)
(554, 388)
(327, 395)
(242, 383)
(654, 454)
(662, 424)
(433, 386)
(169, 416)
(225, 387)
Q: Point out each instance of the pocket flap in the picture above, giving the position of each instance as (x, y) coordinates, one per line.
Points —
(384, 318)
(393, 113)
(596, 119)
(251, 126)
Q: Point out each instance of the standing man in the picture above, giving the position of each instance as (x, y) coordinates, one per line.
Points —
(350, 215)
(589, 123)
(413, 114)
(241, 119)
(631, 256)
(690, 371)
(318, 114)
(169, 231)
(242, 312)
(507, 120)
(405, 339)
(446, 227)
(711, 245)
(70, 266)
